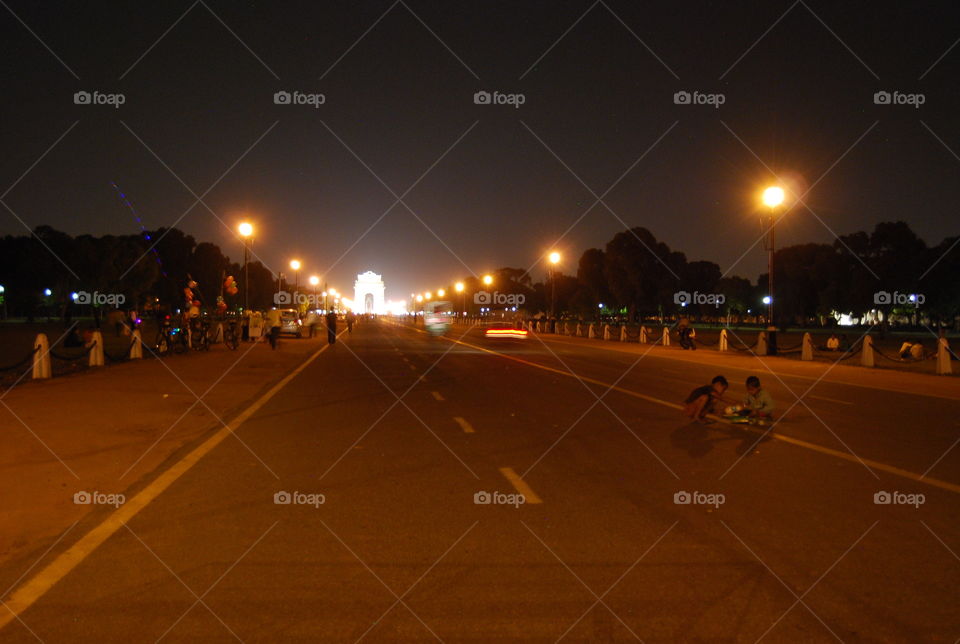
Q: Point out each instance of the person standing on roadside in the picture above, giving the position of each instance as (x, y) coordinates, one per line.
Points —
(331, 320)
(350, 320)
(273, 324)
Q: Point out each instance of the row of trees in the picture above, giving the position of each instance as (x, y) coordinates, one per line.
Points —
(634, 275)
(131, 265)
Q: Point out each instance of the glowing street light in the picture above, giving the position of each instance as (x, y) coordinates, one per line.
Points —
(772, 198)
(246, 231)
(427, 295)
(458, 287)
(488, 279)
(295, 266)
(441, 292)
(314, 280)
(554, 258)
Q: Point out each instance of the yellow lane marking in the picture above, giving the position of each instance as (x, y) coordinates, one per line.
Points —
(27, 594)
(883, 467)
(520, 485)
(437, 396)
(467, 427)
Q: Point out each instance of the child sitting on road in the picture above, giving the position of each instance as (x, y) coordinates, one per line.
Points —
(701, 400)
(759, 402)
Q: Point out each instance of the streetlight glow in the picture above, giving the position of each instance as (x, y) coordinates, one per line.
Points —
(295, 264)
(441, 292)
(554, 257)
(246, 229)
(458, 287)
(427, 295)
(314, 280)
(773, 196)
(488, 279)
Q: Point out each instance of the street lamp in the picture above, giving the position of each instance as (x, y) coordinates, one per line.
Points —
(772, 199)
(246, 231)
(488, 280)
(314, 281)
(554, 258)
(458, 287)
(441, 292)
(295, 267)
(427, 295)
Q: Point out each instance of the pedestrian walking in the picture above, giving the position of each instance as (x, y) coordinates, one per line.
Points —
(331, 327)
(273, 323)
(350, 320)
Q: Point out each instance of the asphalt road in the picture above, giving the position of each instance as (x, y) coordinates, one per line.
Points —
(398, 432)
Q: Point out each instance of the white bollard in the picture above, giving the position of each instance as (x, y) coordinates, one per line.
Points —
(96, 352)
(666, 337)
(866, 355)
(590, 332)
(724, 342)
(218, 334)
(806, 352)
(606, 331)
(762, 344)
(136, 351)
(538, 327)
(41, 358)
(530, 326)
(623, 333)
(943, 358)
(643, 334)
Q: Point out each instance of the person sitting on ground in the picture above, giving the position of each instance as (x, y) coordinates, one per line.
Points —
(759, 402)
(701, 400)
(911, 350)
(833, 343)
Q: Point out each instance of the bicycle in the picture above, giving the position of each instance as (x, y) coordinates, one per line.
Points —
(231, 335)
(170, 339)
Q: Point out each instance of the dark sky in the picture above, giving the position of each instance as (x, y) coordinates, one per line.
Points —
(801, 99)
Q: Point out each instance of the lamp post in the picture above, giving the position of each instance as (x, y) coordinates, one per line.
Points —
(554, 258)
(246, 231)
(772, 199)
(295, 266)
(314, 281)
(458, 287)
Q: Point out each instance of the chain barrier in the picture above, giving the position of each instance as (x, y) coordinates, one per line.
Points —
(80, 356)
(21, 363)
(125, 356)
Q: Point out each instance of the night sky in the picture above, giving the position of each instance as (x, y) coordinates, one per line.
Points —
(598, 80)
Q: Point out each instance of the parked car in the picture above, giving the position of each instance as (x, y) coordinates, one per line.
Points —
(290, 323)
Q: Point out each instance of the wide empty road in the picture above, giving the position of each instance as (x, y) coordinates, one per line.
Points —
(387, 445)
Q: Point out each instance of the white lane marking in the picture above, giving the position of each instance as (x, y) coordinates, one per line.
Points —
(520, 485)
(833, 400)
(27, 594)
(467, 427)
(437, 396)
